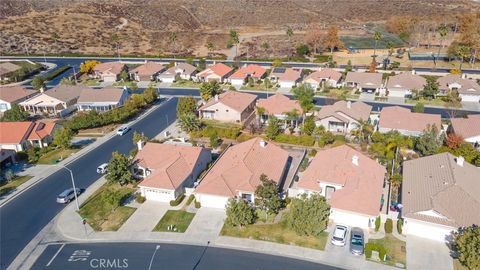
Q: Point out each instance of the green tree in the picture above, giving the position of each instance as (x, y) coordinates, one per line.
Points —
(38, 83)
(137, 136)
(419, 107)
(186, 105)
(304, 94)
(308, 215)
(239, 213)
(363, 131)
(466, 243)
(113, 198)
(292, 116)
(429, 142)
(15, 114)
(210, 46)
(265, 46)
(119, 169)
(214, 140)
(349, 67)
(172, 36)
(189, 122)
(209, 90)
(462, 53)
(377, 36)
(277, 63)
(150, 95)
(202, 64)
(302, 49)
(289, 33)
(62, 137)
(430, 89)
(124, 76)
(442, 31)
(273, 127)
(395, 180)
(266, 195)
(308, 125)
(234, 40)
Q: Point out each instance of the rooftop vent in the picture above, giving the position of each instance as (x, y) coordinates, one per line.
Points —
(355, 160)
(460, 161)
(263, 143)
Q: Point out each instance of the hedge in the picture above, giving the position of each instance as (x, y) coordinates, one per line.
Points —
(140, 199)
(304, 140)
(190, 199)
(177, 201)
(368, 250)
(50, 76)
(399, 225)
(197, 204)
(378, 221)
(228, 133)
(389, 225)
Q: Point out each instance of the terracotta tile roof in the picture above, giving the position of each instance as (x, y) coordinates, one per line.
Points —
(17, 131)
(15, 93)
(65, 93)
(148, 69)
(7, 67)
(407, 81)
(236, 100)
(183, 68)
(467, 127)
(286, 74)
(438, 184)
(107, 94)
(111, 67)
(324, 74)
(219, 69)
(252, 70)
(240, 167)
(279, 104)
(362, 184)
(364, 79)
(467, 86)
(396, 117)
(41, 130)
(170, 165)
(358, 110)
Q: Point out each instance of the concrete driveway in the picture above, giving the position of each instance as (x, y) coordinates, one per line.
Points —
(206, 225)
(427, 254)
(146, 217)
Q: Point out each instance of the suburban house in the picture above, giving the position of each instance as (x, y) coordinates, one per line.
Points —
(468, 89)
(102, 100)
(218, 72)
(406, 122)
(351, 182)
(468, 128)
(109, 71)
(168, 169)
(241, 76)
(402, 85)
(285, 77)
(440, 193)
(279, 106)
(7, 69)
(237, 172)
(326, 77)
(58, 101)
(147, 71)
(364, 81)
(14, 95)
(184, 70)
(230, 106)
(22, 135)
(343, 116)
(7, 158)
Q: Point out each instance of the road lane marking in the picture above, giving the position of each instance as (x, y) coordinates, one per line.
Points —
(54, 256)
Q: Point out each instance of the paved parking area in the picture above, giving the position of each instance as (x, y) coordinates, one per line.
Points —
(427, 254)
(206, 225)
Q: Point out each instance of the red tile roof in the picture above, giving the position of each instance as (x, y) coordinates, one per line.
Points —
(112, 67)
(41, 130)
(15, 93)
(279, 104)
(14, 132)
(252, 70)
(219, 69)
(467, 127)
(358, 110)
(148, 69)
(396, 117)
(236, 100)
(326, 73)
(289, 74)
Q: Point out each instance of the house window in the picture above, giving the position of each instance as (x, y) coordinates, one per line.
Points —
(329, 190)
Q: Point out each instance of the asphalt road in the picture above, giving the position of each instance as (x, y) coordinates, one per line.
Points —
(24, 217)
(168, 256)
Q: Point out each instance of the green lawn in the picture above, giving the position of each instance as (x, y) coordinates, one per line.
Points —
(396, 249)
(101, 214)
(180, 218)
(258, 87)
(91, 82)
(278, 233)
(458, 266)
(218, 124)
(129, 84)
(58, 154)
(13, 184)
(186, 83)
(434, 102)
(338, 93)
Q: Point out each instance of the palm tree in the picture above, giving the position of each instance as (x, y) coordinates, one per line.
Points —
(235, 40)
(210, 46)
(173, 38)
(260, 112)
(390, 49)
(364, 130)
(293, 116)
(115, 40)
(442, 31)
(462, 52)
(377, 36)
(289, 35)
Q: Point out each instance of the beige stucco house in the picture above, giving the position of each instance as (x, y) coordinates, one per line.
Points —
(230, 106)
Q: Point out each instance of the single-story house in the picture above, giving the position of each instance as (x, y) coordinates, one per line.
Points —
(402, 85)
(279, 106)
(102, 100)
(406, 122)
(109, 71)
(237, 172)
(7, 69)
(343, 116)
(184, 70)
(230, 106)
(468, 89)
(168, 169)
(23, 135)
(218, 72)
(351, 182)
(147, 71)
(364, 81)
(58, 101)
(241, 76)
(14, 95)
(440, 193)
(285, 77)
(468, 128)
(324, 77)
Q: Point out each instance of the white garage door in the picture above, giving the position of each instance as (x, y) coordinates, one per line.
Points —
(396, 93)
(287, 84)
(158, 195)
(349, 219)
(168, 79)
(426, 230)
(237, 81)
(212, 201)
(109, 78)
(470, 98)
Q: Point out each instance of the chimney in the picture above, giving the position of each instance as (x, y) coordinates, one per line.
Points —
(42, 89)
(355, 160)
(349, 104)
(125, 88)
(263, 143)
(175, 64)
(464, 76)
(216, 97)
(413, 71)
(460, 161)
(140, 145)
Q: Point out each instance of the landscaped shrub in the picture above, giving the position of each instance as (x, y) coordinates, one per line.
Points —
(228, 133)
(312, 152)
(381, 252)
(389, 225)
(378, 221)
(400, 225)
(190, 199)
(140, 199)
(197, 204)
(368, 250)
(177, 201)
(304, 140)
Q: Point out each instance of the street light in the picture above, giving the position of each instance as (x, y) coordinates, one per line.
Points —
(73, 184)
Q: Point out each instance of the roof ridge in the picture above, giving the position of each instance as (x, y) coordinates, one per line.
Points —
(226, 184)
(171, 164)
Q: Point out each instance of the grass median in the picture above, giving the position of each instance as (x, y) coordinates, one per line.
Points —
(396, 249)
(5, 188)
(56, 155)
(179, 218)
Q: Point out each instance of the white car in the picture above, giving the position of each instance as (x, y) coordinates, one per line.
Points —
(121, 131)
(339, 237)
(102, 168)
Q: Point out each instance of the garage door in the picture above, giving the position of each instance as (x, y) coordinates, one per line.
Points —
(212, 201)
(396, 93)
(426, 230)
(168, 80)
(349, 219)
(109, 78)
(158, 195)
(286, 84)
(237, 81)
(470, 98)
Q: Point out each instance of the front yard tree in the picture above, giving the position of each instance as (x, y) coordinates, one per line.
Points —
(266, 195)
(88, 66)
(308, 125)
(466, 243)
(209, 90)
(239, 213)
(62, 137)
(332, 40)
(38, 83)
(15, 114)
(150, 95)
(304, 94)
(119, 169)
(429, 142)
(377, 36)
(137, 136)
(186, 105)
(430, 90)
(124, 76)
(273, 127)
(189, 122)
(308, 216)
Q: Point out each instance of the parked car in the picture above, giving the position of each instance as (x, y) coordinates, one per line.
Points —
(356, 241)
(67, 195)
(102, 169)
(339, 235)
(121, 131)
